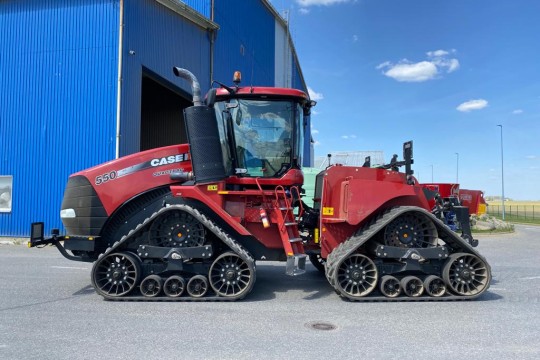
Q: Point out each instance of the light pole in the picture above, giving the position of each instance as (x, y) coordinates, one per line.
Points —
(502, 171)
(457, 168)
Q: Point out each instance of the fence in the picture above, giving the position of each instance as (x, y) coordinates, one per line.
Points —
(516, 212)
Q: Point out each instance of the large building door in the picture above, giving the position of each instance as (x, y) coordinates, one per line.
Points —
(162, 118)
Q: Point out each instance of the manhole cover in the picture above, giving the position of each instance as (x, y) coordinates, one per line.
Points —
(319, 325)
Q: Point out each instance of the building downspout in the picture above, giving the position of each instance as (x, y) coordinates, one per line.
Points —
(119, 83)
(212, 41)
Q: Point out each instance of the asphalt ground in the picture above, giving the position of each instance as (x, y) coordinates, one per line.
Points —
(48, 310)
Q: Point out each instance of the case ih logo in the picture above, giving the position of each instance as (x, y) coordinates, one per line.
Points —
(168, 160)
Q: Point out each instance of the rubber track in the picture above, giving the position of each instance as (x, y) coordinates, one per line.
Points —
(351, 245)
(211, 226)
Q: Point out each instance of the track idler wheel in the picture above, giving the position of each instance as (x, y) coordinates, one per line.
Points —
(390, 286)
(230, 275)
(116, 274)
(466, 274)
(411, 230)
(197, 286)
(412, 286)
(151, 286)
(357, 276)
(434, 286)
(174, 286)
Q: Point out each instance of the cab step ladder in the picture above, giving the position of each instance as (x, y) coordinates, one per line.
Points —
(288, 230)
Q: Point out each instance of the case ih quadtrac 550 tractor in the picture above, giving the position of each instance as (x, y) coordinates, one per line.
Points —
(189, 222)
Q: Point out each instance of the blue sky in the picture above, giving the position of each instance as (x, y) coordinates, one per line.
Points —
(441, 73)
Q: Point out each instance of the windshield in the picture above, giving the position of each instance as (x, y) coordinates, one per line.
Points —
(261, 136)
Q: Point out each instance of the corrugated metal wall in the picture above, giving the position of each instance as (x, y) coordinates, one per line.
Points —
(58, 65)
(202, 6)
(58, 83)
(244, 42)
(283, 58)
(156, 39)
(297, 82)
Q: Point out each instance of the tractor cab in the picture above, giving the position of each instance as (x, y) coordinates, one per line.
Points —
(261, 130)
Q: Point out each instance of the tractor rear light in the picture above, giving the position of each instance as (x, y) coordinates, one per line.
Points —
(67, 213)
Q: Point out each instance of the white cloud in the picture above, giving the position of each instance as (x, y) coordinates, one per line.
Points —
(313, 95)
(316, 143)
(407, 71)
(306, 3)
(314, 131)
(451, 65)
(531, 157)
(517, 112)
(472, 105)
(304, 11)
(314, 112)
(355, 38)
(454, 65)
(437, 53)
(383, 65)
(348, 136)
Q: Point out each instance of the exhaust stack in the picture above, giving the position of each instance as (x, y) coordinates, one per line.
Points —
(195, 87)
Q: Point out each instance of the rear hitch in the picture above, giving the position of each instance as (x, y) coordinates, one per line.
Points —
(38, 239)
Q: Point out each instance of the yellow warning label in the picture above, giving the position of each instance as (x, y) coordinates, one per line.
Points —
(316, 235)
(328, 211)
(212, 187)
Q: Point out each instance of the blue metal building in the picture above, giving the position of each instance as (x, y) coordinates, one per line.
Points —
(85, 81)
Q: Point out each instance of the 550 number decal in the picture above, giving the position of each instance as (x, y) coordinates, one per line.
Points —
(102, 179)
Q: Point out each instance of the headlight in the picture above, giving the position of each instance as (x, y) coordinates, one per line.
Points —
(67, 213)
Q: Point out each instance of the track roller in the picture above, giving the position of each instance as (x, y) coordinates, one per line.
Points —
(197, 286)
(412, 286)
(434, 286)
(466, 274)
(174, 286)
(390, 286)
(151, 286)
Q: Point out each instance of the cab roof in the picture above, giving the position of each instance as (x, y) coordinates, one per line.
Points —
(256, 91)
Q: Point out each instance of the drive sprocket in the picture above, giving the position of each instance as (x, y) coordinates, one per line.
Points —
(176, 229)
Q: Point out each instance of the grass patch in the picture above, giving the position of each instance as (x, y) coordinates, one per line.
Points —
(524, 212)
(517, 219)
(494, 231)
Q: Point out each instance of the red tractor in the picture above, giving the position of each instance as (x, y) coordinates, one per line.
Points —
(189, 222)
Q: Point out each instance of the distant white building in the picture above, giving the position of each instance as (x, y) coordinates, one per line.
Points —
(351, 158)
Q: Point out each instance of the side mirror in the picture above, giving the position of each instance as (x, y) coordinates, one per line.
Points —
(211, 97)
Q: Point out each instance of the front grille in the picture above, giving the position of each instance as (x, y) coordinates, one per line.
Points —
(91, 215)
